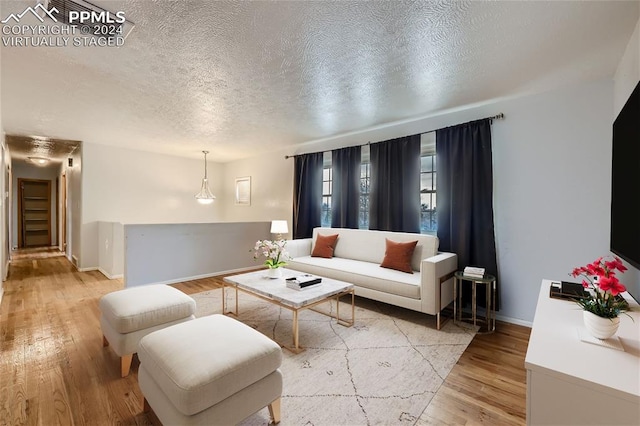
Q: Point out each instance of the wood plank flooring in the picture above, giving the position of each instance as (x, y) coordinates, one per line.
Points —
(487, 385)
(54, 370)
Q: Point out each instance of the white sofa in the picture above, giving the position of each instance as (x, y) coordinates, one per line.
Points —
(357, 257)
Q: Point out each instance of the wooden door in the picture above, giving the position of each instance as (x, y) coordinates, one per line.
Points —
(34, 213)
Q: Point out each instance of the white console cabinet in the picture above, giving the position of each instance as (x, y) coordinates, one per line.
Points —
(571, 382)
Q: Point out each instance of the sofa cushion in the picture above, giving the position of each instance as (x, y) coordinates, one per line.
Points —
(369, 246)
(362, 274)
(324, 246)
(398, 255)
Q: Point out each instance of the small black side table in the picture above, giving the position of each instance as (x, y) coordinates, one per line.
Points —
(490, 282)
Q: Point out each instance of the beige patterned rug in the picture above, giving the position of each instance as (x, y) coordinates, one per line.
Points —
(384, 370)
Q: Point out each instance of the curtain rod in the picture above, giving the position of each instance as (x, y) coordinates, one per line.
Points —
(499, 116)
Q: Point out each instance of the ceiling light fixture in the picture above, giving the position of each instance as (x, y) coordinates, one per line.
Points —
(40, 161)
(205, 196)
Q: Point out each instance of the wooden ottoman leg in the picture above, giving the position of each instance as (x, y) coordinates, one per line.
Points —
(105, 342)
(125, 364)
(274, 411)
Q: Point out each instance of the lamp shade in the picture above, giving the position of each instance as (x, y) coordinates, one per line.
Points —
(279, 227)
(205, 196)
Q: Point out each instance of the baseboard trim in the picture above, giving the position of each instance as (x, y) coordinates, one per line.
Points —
(503, 318)
(92, 268)
(1, 293)
(515, 321)
(195, 277)
(108, 275)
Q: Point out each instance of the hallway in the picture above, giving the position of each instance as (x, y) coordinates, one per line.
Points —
(35, 253)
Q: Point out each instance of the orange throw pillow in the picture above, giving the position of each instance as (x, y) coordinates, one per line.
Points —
(324, 246)
(398, 256)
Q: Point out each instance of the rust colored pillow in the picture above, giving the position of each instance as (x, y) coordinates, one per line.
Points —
(324, 246)
(398, 255)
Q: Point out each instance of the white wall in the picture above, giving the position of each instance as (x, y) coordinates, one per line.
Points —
(170, 253)
(111, 249)
(552, 162)
(552, 165)
(4, 255)
(626, 78)
(4, 252)
(22, 170)
(5, 182)
(74, 207)
(628, 72)
(4, 208)
(129, 186)
(61, 205)
(271, 189)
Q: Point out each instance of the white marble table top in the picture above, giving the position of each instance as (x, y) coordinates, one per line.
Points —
(276, 288)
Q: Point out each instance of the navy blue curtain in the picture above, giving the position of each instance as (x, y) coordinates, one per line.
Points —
(345, 196)
(395, 185)
(307, 194)
(465, 197)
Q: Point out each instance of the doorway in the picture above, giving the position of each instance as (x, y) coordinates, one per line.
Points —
(34, 213)
(62, 227)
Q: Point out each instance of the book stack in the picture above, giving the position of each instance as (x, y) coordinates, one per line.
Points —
(302, 282)
(471, 271)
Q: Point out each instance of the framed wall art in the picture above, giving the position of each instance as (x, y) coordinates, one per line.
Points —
(243, 191)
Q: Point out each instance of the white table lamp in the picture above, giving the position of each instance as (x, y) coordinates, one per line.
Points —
(279, 227)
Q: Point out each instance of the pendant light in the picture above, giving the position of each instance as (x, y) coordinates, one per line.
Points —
(205, 196)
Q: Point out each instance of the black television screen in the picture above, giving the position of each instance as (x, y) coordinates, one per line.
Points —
(625, 184)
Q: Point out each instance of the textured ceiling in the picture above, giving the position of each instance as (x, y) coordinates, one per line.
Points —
(56, 150)
(241, 78)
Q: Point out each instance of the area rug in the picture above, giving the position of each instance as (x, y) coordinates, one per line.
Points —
(384, 370)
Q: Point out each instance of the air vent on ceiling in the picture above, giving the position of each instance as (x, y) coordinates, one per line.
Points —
(101, 22)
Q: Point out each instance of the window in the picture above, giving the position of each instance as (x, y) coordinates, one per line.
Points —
(365, 185)
(428, 219)
(327, 189)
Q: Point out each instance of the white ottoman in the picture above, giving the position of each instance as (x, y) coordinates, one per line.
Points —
(130, 314)
(210, 371)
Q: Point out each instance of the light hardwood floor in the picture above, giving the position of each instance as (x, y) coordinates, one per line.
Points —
(54, 369)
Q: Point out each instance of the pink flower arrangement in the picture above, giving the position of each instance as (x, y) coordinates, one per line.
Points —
(274, 251)
(602, 284)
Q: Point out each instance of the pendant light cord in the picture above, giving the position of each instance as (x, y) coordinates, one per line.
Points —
(205, 163)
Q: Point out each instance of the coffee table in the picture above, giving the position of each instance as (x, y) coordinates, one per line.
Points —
(275, 291)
